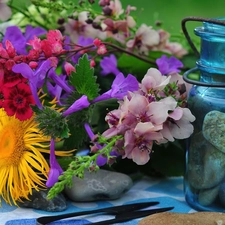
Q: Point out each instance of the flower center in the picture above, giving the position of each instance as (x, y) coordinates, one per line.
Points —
(11, 145)
(19, 101)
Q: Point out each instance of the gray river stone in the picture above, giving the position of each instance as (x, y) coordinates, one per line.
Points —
(38, 200)
(100, 185)
(206, 164)
(214, 129)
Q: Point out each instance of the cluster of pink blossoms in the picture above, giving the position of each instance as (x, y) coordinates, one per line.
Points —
(148, 116)
(117, 23)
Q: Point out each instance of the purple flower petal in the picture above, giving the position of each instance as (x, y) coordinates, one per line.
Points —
(109, 65)
(120, 87)
(168, 65)
(101, 160)
(89, 131)
(35, 77)
(78, 105)
(30, 32)
(61, 82)
(15, 36)
(55, 168)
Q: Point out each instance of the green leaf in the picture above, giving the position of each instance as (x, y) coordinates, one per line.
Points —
(51, 122)
(84, 80)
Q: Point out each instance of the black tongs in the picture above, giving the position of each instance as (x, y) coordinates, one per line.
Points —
(122, 213)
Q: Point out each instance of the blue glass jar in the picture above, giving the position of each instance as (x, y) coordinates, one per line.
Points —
(205, 158)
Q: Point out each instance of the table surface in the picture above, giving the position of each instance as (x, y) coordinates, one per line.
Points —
(168, 191)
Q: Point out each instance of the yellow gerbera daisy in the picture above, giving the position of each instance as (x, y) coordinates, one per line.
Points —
(22, 165)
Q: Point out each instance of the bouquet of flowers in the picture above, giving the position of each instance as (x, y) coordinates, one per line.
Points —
(73, 78)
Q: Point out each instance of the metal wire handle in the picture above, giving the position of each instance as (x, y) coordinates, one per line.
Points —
(187, 36)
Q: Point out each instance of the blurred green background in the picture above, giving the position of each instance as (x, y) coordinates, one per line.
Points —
(171, 12)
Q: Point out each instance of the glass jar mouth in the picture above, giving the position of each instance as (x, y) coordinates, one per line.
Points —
(210, 69)
(211, 29)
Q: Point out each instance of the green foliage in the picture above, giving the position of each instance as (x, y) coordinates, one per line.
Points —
(84, 80)
(133, 65)
(51, 122)
(136, 66)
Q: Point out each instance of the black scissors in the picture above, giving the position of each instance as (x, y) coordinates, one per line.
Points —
(122, 213)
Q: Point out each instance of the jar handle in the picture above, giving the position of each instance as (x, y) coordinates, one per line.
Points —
(199, 83)
(197, 19)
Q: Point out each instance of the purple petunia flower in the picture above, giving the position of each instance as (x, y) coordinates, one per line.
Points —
(36, 78)
(109, 65)
(120, 87)
(168, 65)
(55, 168)
(78, 105)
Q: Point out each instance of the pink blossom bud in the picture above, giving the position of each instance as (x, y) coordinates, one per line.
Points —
(33, 65)
(101, 49)
(10, 49)
(69, 68)
(9, 64)
(92, 63)
(97, 42)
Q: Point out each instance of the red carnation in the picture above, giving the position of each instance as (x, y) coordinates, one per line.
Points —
(17, 101)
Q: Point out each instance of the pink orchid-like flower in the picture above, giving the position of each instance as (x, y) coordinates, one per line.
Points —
(178, 124)
(139, 141)
(153, 79)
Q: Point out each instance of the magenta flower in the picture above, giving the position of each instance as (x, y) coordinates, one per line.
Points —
(169, 65)
(78, 105)
(55, 168)
(120, 87)
(109, 65)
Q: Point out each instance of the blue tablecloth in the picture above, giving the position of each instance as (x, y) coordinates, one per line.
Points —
(168, 191)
